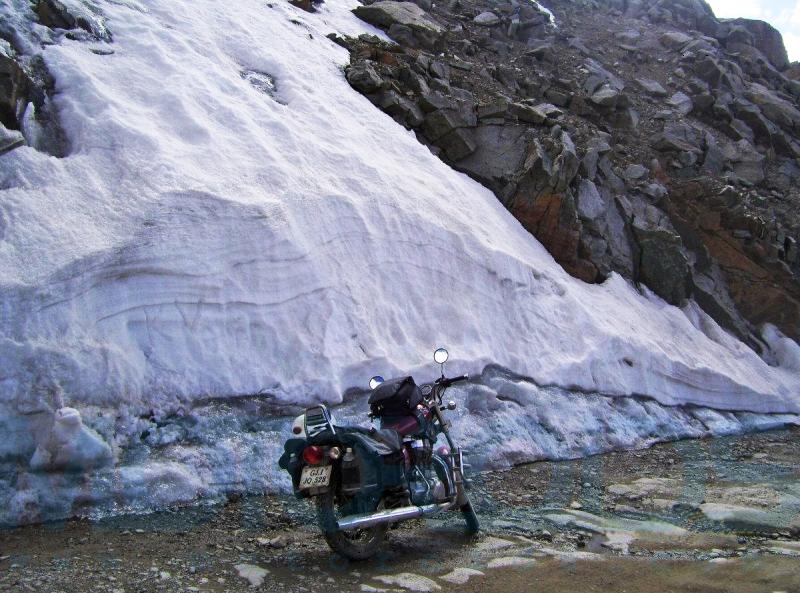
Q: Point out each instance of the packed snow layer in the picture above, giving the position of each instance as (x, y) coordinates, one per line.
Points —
(232, 445)
(233, 220)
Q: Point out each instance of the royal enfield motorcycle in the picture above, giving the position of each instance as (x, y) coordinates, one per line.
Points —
(366, 480)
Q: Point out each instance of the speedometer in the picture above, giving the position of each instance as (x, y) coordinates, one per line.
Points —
(426, 389)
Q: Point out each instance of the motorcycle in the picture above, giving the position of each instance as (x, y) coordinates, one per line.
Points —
(366, 480)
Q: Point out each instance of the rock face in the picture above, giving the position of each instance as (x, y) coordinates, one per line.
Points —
(764, 37)
(593, 137)
(27, 112)
(404, 20)
(57, 15)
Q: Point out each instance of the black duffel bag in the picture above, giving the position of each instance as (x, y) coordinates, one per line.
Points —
(398, 397)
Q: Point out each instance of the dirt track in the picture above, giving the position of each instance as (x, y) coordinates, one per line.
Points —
(712, 515)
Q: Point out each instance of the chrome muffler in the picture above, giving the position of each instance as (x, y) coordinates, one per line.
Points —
(390, 516)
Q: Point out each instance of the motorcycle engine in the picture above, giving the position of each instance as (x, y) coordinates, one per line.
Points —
(423, 484)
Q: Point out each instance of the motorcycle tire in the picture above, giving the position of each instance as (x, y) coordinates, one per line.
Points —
(360, 544)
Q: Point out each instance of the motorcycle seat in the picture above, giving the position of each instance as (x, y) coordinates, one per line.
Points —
(389, 437)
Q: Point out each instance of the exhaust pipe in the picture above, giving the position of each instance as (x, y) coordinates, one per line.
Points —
(390, 516)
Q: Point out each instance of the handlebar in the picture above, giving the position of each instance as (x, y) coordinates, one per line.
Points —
(446, 382)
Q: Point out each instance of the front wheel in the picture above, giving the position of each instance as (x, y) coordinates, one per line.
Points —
(358, 544)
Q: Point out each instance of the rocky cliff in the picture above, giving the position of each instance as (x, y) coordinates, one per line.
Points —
(649, 139)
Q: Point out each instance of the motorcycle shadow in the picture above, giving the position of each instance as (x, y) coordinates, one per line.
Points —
(422, 545)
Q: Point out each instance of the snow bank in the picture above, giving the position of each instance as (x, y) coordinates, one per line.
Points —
(233, 219)
(232, 445)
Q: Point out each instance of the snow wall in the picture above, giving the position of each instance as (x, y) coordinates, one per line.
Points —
(236, 233)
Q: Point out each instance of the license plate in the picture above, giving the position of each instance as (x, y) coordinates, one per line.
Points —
(315, 477)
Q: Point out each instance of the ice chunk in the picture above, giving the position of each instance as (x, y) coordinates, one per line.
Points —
(70, 445)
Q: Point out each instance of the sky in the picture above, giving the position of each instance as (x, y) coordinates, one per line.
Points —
(784, 15)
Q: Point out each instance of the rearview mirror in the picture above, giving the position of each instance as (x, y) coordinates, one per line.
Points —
(441, 355)
(375, 381)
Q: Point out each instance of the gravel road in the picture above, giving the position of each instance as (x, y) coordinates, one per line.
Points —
(709, 515)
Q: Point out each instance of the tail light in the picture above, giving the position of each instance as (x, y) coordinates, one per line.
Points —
(313, 455)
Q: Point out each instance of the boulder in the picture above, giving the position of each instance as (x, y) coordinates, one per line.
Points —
(766, 39)
(442, 122)
(364, 78)
(387, 13)
(57, 15)
(412, 81)
(678, 137)
(651, 87)
(499, 156)
(606, 96)
(778, 110)
(682, 103)
(599, 76)
(439, 69)
(403, 110)
(486, 19)
(565, 165)
(682, 14)
(495, 109)
(457, 144)
(10, 139)
(674, 40)
(635, 173)
(747, 163)
(538, 114)
(591, 204)
(433, 100)
(663, 266)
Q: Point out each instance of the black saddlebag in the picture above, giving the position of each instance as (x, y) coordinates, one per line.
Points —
(398, 397)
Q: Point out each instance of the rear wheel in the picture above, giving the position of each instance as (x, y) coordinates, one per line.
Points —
(358, 544)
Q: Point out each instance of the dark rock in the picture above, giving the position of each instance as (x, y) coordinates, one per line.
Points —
(591, 204)
(439, 69)
(682, 103)
(486, 19)
(57, 15)
(413, 81)
(606, 96)
(635, 173)
(543, 52)
(458, 144)
(363, 78)
(778, 110)
(678, 137)
(652, 87)
(663, 266)
(387, 13)
(559, 98)
(674, 40)
(499, 156)
(433, 100)
(766, 38)
(495, 109)
(10, 139)
(747, 163)
(444, 121)
(527, 113)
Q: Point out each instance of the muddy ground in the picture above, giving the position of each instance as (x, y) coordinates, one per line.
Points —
(712, 515)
